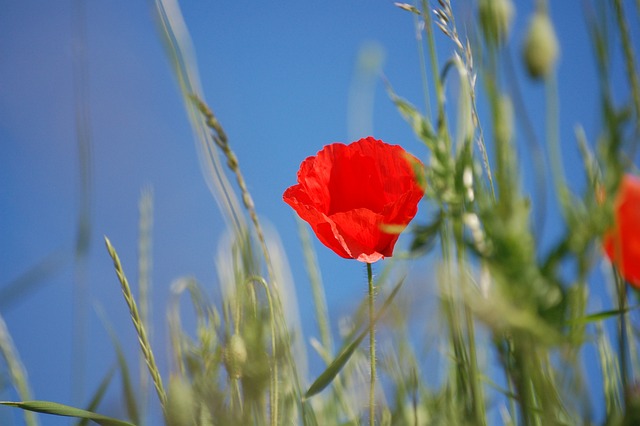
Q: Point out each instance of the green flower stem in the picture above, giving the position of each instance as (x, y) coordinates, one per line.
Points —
(372, 348)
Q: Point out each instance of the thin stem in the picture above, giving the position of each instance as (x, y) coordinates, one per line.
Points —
(221, 140)
(319, 301)
(274, 360)
(372, 348)
(622, 334)
(423, 67)
(145, 207)
(627, 49)
(16, 370)
(433, 56)
(553, 142)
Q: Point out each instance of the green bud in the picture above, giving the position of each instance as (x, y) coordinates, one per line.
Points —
(495, 20)
(180, 404)
(541, 47)
(235, 355)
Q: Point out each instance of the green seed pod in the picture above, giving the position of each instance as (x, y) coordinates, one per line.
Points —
(541, 47)
(235, 355)
(495, 20)
(180, 403)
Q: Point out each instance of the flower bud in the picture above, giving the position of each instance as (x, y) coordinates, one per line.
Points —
(180, 403)
(540, 46)
(235, 355)
(495, 20)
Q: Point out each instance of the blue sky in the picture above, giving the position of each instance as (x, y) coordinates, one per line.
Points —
(277, 74)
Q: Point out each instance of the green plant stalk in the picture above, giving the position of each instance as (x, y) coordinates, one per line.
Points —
(474, 376)
(145, 346)
(220, 138)
(319, 301)
(222, 142)
(441, 121)
(423, 68)
(322, 316)
(622, 335)
(511, 385)
(451, 314)
(523, 383)
(372, 348)
(179, 49)
(145, 225)
(16, 370)
(610, 373)
(553, 142)
(629, 60)
(274, 360)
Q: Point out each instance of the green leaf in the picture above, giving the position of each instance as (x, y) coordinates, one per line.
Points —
(338, 363)
(56, 409)
(420, 125)
(600, 316)
(100, 392)
(424, 236)
(127, 386)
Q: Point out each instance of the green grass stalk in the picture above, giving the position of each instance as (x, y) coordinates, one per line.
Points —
(145, 346)
(627, 49)
(274, 399)
(17, 371)
(145, 224)
(317, 291)
(433, 59)
(220, 138)
(321, 312)
(623, 359)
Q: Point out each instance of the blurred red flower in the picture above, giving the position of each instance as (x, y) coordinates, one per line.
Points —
(349, 193)
(622, 243)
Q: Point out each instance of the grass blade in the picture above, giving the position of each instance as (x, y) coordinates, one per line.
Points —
(56, 409)
(100, 392)
(17, 371)
(334, 368)
(601, 316)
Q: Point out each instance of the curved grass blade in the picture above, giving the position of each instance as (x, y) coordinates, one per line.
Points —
(334, 368)
(56, 409)
(601, 316)
(127, 386)
(100, 392)
(35, 277)
(17, 372)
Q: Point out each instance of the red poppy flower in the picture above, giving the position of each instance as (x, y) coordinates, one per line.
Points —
(348, 193)
(622, 244)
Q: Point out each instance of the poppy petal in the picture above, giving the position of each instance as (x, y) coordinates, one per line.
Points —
(347, 193)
